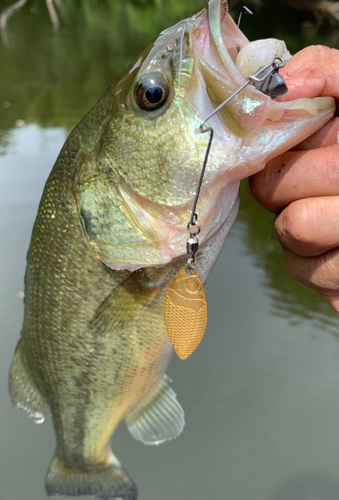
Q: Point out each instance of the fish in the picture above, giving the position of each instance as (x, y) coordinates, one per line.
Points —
(110, 236)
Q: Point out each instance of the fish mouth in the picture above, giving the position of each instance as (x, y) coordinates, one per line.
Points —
(224, 58)
(216, 42)
(225, 40)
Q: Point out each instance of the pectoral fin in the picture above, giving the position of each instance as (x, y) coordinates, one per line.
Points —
(123, 306)
(157, 418)
(24, 392)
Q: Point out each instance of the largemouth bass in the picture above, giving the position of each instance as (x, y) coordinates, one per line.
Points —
(110, 236)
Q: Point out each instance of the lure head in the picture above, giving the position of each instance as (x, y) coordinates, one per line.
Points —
(140, 157)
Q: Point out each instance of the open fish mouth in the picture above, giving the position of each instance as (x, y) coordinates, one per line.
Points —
(229, 42)
(218, 40)
(224, 60)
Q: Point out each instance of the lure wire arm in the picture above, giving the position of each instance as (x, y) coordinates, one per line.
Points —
(224, 104)
(194, 216)
(272, 67)
(193, 226)
(243, 10)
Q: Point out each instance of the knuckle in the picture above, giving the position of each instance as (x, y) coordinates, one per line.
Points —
(318, 53)
(321, 51)
(327, 59)
(291, 226)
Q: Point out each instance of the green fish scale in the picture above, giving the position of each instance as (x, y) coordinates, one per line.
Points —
(82, 377)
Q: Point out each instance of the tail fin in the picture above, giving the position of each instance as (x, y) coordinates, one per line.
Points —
(108, 482)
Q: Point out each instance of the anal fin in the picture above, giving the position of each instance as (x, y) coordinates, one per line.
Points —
(158, 418)
(23, 390)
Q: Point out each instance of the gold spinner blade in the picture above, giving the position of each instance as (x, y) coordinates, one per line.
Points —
(186, 312)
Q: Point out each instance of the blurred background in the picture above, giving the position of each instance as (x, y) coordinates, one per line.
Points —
(261, 392)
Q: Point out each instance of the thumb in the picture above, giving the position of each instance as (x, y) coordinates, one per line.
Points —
(312, 72)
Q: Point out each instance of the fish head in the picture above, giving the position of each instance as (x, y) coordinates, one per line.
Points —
(137, 181)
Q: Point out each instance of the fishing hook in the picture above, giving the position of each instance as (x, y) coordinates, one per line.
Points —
(243, 10)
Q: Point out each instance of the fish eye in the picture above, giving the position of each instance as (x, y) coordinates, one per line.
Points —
(151, 93)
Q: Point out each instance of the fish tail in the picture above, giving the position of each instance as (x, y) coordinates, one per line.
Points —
(109, 481)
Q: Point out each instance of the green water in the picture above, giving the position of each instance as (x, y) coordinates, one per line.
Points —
(260, 394)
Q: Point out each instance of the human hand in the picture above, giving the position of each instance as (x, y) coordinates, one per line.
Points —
(302, 185)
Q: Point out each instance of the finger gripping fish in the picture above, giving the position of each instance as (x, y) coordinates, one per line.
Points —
(110, 236)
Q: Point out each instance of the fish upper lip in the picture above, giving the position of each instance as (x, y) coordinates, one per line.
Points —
(217, 39)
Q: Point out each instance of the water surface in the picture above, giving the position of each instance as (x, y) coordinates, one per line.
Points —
(261, 392)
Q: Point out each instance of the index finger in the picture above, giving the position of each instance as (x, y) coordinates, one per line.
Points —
(312, 72)
(295, 175)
